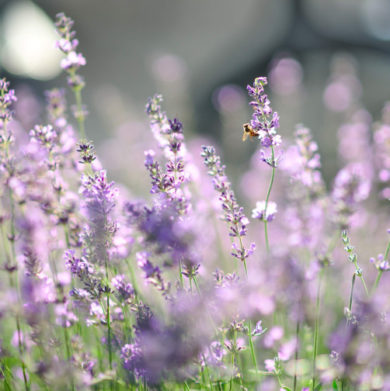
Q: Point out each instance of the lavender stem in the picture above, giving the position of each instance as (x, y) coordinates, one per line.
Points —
(267, 200)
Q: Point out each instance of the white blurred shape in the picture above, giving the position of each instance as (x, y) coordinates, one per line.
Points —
(28, 38)
(376, 17)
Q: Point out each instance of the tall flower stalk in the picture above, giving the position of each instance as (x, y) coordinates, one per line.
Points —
(7, 166)
(233, 215)
(265, 123)
(71, 64)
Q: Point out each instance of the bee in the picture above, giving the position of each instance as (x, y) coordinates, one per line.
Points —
(249, 132)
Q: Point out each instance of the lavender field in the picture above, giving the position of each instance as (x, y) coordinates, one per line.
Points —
(184, 288)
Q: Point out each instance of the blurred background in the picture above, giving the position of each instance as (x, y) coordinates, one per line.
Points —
(325, 60)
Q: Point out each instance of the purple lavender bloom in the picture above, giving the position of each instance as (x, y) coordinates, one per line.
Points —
(258, 330)
(73, 61)
(124, 290)
(169, 135)
(261, 213)
(302, 162)
(233, 213)
(352, 185)
(44, 135)
(164, 231)
(87, 274)
(264, 121)
(68, 44)
(152, 274)
(56, 108)
(162, 350)
(100, 196)
(7, 97)
(382, 152)
(380, 263)
(270, 365)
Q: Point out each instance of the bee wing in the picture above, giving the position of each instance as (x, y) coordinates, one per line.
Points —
(244, 135)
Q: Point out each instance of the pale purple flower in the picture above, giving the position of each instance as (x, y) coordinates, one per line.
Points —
(287, 349)
(258, 330)
(7, 97)
(44, 135)
(302, 162)
(124, 289)
(380, 263)
(261, 213)
(152, 274)
(270, 365)
(352, 185)
(73, 61)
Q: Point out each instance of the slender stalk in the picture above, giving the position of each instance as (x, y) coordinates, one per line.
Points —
(351, 295)
(361, 277)
(68, 354)
(316, 328)
(206, 369)
(296, 356)
(253, 353)
(376, 283)
(16, 284)
(233, 358)
(80, 114)
(267, 200)
(108, 321)
(387, 250)
(181, 276)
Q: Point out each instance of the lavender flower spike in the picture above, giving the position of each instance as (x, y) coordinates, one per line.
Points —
(264, 121)
(233, 213)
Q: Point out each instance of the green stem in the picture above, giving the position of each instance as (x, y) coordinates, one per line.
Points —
(267, 200)
(80, 114)
(351, 295)
(253, 353)
(387, 250)
(365, 286)
(13, 260)
(233, 358)
(316, 327)
(376, 283)
(68, 354)
(181, 276)
(296, 356)
(108, 321)
(206, 369)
